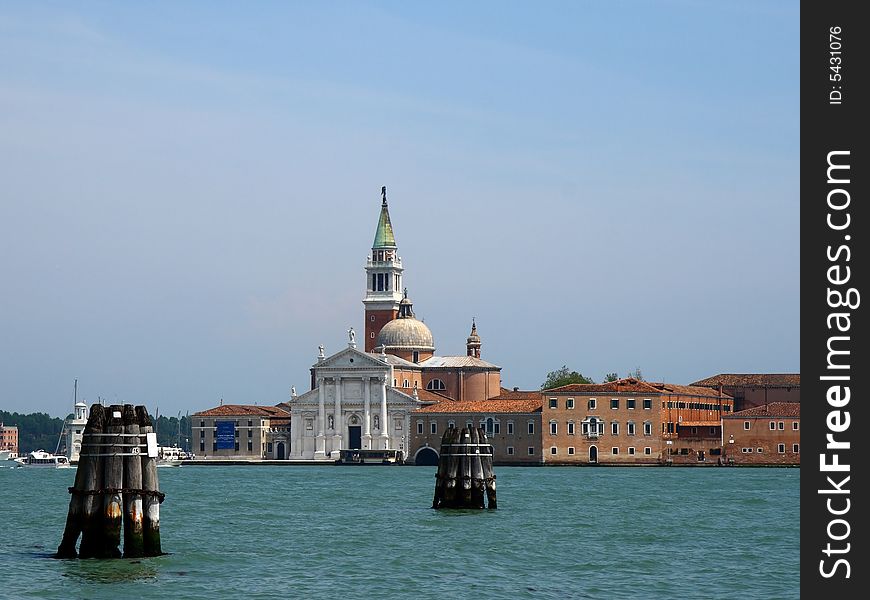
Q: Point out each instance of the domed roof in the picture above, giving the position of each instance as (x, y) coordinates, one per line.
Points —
(406, 334)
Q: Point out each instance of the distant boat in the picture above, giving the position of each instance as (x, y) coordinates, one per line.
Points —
(170, 456)
(42, 459)
(7, 458)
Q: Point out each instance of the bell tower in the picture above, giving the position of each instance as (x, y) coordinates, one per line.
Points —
(383, 278)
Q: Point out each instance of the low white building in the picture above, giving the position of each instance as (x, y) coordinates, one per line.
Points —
(351, 406)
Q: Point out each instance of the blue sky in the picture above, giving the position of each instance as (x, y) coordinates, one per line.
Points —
(190, 189)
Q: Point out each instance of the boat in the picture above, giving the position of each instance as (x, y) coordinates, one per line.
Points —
(170, 456)
(369, 457)
(7, 458)
(41, 458)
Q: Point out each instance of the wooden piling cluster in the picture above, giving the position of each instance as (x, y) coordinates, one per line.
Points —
(115, 487)
(464, 475)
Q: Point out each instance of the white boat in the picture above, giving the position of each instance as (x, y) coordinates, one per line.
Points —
(7, 458)
(43, 459)
(170, 456)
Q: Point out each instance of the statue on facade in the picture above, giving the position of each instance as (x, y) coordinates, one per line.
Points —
(331, 422)
(293, 390)
(376, 422)
(351, 336)
(321, 355)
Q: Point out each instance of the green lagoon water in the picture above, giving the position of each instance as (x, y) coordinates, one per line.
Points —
(368, 532)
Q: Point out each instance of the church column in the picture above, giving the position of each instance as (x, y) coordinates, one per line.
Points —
(320, 450)
(385, 438)
(337, 424)
(367, 417)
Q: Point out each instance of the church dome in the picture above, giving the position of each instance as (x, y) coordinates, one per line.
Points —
(406, 334)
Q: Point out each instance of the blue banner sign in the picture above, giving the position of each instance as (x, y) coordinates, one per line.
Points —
(226, 435)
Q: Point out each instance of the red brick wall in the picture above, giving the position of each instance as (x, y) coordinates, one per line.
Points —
(759, 435)
(375, 321)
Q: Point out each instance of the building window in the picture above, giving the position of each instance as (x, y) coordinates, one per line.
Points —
(496, 428)
(796, 448)
(781, 448)
(553, 428)
(772, 425)
(201, 433)
(570, 427)
(760, 450)
(250, 433)
(647, 403)
(250, 445)
(630, 427)
(571, 450)
(631, 403)
(554, 451)
(436, 385)
(433, 427)
(569, 403)
(510, 450)
(510, 427)
(237, 446)
(202, 445)
(781, 425)
(406, 383)
(214, 446)
(647, 450)
(490, 426)
(614, 428)
(746, 425)
(614, 403)
(712, 431)
(372, 334)
(795, 425)
(202, 423)
(531, 427)
(372, 318)
(416, 356)
(647, 428)
(614, 451)
(592, 404)
(554, 402)
(419, 427)
(395, 382)
(269, 447)
(250, 423)
(451, 424)
(631, 450)
(531, 451)
(469, 425)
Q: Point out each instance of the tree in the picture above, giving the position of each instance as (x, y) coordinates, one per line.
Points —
(611, 377)
(563, 376)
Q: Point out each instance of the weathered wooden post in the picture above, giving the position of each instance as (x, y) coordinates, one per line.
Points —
(85, 492)
(133, 541)
(150, 489)
(113, 481)
(464, 473)
(92, 450)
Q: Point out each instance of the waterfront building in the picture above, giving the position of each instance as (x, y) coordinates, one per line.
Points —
(511, 420)
(363, 399)
(756, 389)
(763, 435)
(629, 421)
(241, 431)
(9, 439)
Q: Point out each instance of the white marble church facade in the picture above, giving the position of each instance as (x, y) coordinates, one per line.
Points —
(351, 406)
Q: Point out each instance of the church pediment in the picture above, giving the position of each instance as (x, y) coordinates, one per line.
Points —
(350, 359)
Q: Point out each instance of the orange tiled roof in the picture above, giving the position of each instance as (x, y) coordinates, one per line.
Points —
(690, 390)
(620, 386)
(753, 379)
(428, 395)
(774, 409)
(243, 410)
(484, 406)
(506, 394)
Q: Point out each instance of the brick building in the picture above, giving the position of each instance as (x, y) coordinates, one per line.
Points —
(763, 435)
(631, 422)
(512, 421)
(242, 431)
(756, 389)
(9, 439)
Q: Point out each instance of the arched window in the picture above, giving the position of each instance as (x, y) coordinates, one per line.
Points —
(406, 384)
(436, 384)
(490, 426)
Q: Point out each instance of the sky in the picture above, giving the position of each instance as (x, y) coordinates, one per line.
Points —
(190, 189)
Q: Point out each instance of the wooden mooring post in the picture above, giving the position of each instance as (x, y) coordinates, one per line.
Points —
(464, 473)
(115, 485)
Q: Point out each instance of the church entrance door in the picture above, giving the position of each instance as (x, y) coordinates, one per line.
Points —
(280, 450)
(354, 437)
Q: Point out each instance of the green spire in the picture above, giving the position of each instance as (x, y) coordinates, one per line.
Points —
(384, 235)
